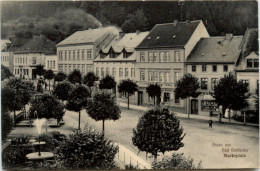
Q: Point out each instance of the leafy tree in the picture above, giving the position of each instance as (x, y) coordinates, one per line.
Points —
(158, 130)
(231, 94)
(39, 70)
(61, 91)
(5, 72)
(103, 107)
(135, 21)
(257, 99)
(176, 161)
(49, 75)
(6, 124)
(16, 93)
(107, 82)
(89, 79)
(154, 91)
(78, 99)
(129, 87)
(187, 87)
(60, 76)
(75, 77)
(87, 150)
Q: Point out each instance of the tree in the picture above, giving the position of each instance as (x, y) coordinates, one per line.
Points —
(107, 82)
(6, 123)
(257, 99)
(87, 150)
(75, 77)
(135, 21)
(158, 130)
(78, 99)
(231, 94)
(49, 75)
(154, 91)
(103, 107)
(46, 106)
(39, 70)
(16, 93)
(5, 72)
(60, 76)
(61, 91)
(89, 79)
(187, 87)
(176, 161)
(129, 87)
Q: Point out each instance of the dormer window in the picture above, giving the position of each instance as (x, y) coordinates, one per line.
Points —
(252, 63)
(112, 55)
(124, 55)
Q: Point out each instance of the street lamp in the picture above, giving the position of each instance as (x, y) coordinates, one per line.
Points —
(181, 3)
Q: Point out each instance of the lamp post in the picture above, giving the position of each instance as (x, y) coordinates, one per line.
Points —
(181, 3)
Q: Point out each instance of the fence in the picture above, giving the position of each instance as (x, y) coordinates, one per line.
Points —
(129, 158)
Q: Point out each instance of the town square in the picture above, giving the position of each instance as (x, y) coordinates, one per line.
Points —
(111, 85)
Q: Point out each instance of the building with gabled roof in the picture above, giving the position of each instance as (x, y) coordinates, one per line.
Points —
(80, 49)
(160, 59)
(210, 60)
(31, 54)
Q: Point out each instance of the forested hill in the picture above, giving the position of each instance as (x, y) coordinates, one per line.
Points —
(59, 19)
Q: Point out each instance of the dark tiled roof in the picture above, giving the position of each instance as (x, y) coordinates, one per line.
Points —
(39, 44)
(169, 35)
(16, 44)
(216, 50)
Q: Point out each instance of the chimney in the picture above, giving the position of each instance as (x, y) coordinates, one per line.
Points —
(229, 36)
(121, 34)
(137, 32)
(175, 22)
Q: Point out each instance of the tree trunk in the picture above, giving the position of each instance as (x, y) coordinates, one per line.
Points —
(244, 117)
(128, 100)
(46, 125)
(155, 157)
(79, 121)
(229, 115)
(103, 129)
(14, 119)
(49, 85)
(188, 108)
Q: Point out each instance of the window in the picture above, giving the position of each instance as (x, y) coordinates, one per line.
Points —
(53, 64)
(74, 67)
(112, 55)
(126, 72)
(120, 72)
(214, 82)
(69, 68)
(225, 68)
(83, 69)
(176, 76)
(89, 54)
(65, 55)
(176, 100)
(150, 57)
(249, 63)
(204, 83)
(166, 97)
(102, 72)
(193, 68)
(150, 76)
(155, 56)
(65, 68)
(60, 67)
(97, 71)
(74, 55)
(142, 57)
(245, 81)
(161, 77)
(214, 68)
(177, 57)
(114, 72)
(167, 77)
(167, 57)
(48, 64)
(82, 54)
(132, 72)
(107, 71)
(142, 76)
(33, 60)
(78, 55)
(20, 60)
(78, 67)
(161, 58)
(204, 68)
(256, 63)
(69, 55)
(155, 74)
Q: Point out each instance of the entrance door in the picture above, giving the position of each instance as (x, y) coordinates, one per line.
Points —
(33, 74)
(194, 106)
(140, 98)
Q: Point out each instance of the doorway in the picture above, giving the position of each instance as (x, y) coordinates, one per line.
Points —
(194, 106)
(33, 74)
(140, 98)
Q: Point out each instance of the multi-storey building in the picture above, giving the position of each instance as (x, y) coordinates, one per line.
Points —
(247, 67)
(31, 54)
(209, 61)
(161, 56)
(118, 58)
(51, 62)
(80, 49)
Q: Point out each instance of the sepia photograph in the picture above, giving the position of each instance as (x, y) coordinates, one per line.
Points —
(111, 85)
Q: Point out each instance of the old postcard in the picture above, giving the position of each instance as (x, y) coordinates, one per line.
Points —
(129, 85)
